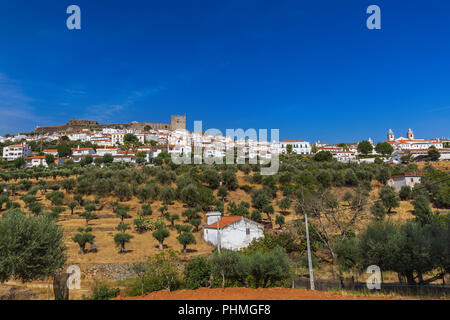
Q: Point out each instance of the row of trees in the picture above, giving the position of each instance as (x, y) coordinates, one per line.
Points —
(229, 268)
(411, 250)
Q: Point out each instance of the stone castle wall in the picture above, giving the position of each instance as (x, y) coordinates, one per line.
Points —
(176, 122)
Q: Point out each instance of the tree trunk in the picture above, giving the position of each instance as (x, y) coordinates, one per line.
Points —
(48, 288)
(436, 277)
(60, 288)
(420, 276)
(223, 280)
(410, 278)
(401, 279)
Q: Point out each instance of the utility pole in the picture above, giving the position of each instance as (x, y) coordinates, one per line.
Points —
(311, 276)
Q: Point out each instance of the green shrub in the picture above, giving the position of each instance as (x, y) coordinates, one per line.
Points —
(197, 273)
(102, 291)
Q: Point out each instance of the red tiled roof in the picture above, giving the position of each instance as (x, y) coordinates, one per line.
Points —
(17, 145)
(224, 221)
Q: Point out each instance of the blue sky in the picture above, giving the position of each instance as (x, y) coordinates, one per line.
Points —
(309, 68)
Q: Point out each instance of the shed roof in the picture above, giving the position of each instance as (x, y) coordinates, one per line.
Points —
(223, 222)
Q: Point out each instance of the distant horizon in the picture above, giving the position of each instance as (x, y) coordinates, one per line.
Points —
(268, 129)
(311, 69)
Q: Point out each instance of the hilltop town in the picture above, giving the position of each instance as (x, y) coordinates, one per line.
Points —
(150, 139)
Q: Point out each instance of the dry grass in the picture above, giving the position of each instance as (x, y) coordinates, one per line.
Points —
(144, 245)
(440, 165)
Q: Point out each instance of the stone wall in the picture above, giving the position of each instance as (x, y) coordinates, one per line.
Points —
(109, 271)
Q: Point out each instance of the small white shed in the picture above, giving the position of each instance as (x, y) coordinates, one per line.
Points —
(409, 179)
(235, 232)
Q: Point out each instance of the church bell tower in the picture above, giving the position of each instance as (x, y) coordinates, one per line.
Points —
(390, 135)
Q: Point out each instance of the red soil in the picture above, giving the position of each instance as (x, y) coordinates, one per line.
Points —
(251, 294)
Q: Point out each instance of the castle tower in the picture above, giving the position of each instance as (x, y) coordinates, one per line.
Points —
(390, 135)
(410, 134)
(178, 122)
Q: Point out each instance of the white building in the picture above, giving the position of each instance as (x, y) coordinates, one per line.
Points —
(178, 149)
(117, 138)
(298, 146)
(35, 161)
(122, 157)
(410, 143)
(409, 179)
(235, 233)
(15, 151)
(103, 151)
(340, 153)
(82, 151)
(53, 152)
(75, 136)
(344, 155)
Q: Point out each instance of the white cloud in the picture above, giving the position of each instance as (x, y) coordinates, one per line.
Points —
(16, 110)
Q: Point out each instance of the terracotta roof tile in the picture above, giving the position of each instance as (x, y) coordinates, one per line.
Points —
(224, 221)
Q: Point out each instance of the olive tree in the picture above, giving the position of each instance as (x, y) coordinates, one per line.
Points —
(31, 247)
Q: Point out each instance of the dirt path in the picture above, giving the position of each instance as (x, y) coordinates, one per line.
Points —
(252, 294)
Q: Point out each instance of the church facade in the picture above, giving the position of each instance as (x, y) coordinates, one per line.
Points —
(411, 143)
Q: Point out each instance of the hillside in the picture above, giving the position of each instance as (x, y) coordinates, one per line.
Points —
(108, 263)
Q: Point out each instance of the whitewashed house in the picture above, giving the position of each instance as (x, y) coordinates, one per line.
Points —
(82, 151)
(344, 155)
(298, 146)
(102, 151)
(235, 232)
(117, 138)
(15, 151)
(35, 161)
(53, 152)
(178, 149)
(147, 150)
(409, 179)
(75, 136)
